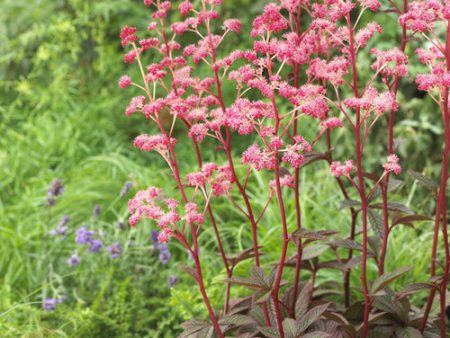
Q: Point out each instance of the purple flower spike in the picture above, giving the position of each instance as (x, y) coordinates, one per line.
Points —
(95, 245)
(96, 211)
(172, 280)
(84, 236)
(49, 304)
(73, 260)
(164, 256)
(126, 188)
(115, 250)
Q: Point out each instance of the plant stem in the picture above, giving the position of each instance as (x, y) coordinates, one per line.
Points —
(361, 189)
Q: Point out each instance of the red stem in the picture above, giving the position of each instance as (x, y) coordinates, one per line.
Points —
(384, 192)
(361, 189)
(441, 207)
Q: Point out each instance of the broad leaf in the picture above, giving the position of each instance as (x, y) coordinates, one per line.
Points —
(381, 282)
(269, 332)
(407, 332)
(312, 251)
(349, 204)
(317, 334)
(394, 206)
(309, 234)
(301, 305)
(346, 244)
(424, 181)
(189, 270)
(376, 221)
(237, 320)
(305, 321)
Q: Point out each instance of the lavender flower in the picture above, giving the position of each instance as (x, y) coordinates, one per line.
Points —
(56, 188)
(164, 256)
(115, 250)
(95, 245)
(73, 260)
(49, 304)
(127, 186)
(61, 228)
(96, 211)
(84, 236)
(172, 280)
(121, 225)
(154, 238)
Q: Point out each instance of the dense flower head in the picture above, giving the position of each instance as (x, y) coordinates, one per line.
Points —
(257, 158)
(159, 143)
(365, 34)
(392, 165)
(373, 5)
(421, 15)
(392, 62)
(233, 25)
(332, 71)
(285, 181)
(135, 104)
(185, 7)
(270, 21)
(127, 35)
(331, 123)
(337, 169)
(242, 116)
(125, 81)
(294, 153)
(373, 102)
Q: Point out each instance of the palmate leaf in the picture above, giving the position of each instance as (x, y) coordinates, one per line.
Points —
(194, 325)
(237, 320)
(414, 288)
(305, 321)
(384, 280)
(317, 334)
(260, 277)
(313, 251)
(347, 203)
(309, 234)
(269, 332)
(301, 304)
(346, 244)
(376, 221)
(408, 220)
(241, 256)
(189, 270)
(424, 181)
(248, 282)
(394, 206)
(407, 332)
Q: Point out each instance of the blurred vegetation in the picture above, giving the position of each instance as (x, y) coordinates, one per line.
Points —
(61, 117)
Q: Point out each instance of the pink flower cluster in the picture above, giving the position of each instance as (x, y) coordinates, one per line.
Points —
(392, 165)
(337, 169)
(159, 143)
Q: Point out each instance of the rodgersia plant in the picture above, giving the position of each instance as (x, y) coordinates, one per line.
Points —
(302, 69)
